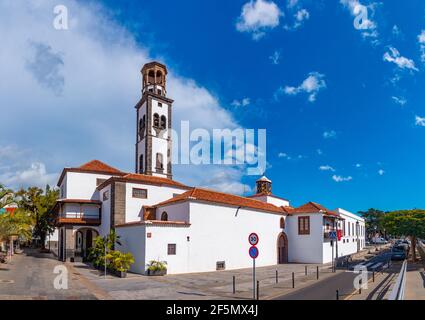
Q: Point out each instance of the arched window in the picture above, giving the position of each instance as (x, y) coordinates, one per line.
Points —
(164, 216)
(158, 77)
(156, 120)
(142, 124)
(159, 161)
(141, 163)
(282, 223)
(151, 76)
(163, 122)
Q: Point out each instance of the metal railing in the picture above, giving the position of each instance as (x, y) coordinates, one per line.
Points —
(397, 293)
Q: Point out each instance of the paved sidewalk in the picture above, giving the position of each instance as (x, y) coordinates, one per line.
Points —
(415, 279)
(205, 286)
(29, 276)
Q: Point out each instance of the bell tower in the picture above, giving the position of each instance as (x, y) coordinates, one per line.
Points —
(153, 134)
(264, 186)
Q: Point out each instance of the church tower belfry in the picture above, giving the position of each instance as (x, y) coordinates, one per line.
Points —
(153, 134)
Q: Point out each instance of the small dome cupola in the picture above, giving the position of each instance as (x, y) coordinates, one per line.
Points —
(154, 78)
(264, 185)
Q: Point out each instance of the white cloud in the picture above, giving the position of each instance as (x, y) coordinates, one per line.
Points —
(83, 85)
(299, 18)
(275, 57)
(35, 175)
(329, 134)
(394, 56)
(396, 31)
(312, 85)
(326, 168)
(341, 178)
(284, 155)
(399, 100)
(381, 172)
(357, 165)
(257, 17)
(241, 103)
(420, 121)
(421, 41)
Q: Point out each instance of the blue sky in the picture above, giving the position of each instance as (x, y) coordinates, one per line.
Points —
(343, 107)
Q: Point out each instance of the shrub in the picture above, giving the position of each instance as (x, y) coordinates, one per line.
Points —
(154, 265)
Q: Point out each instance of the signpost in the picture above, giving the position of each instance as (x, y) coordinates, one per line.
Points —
(333, 237)
(253, 253)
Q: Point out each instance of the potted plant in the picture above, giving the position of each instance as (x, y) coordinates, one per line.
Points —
(120, 262)
(157, 268)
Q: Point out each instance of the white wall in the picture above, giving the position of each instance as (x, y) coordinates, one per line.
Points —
(106, 211)
(133, 239)
(72, 210)
(157, 247)
(176, 212)
(305, 248)
(273, 200)
(156, 194)
(81, 185)
(217, 233)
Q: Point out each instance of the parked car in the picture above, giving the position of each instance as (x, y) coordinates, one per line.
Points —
(398, 252)
(379, 241)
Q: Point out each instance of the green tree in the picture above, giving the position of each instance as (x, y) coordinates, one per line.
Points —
(39, 205)
(408, 223)
(373, 219)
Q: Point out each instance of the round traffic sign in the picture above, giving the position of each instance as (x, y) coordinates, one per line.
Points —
(253, 252)
(253, 239)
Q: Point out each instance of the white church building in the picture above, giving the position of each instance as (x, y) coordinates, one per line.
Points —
(192, 229)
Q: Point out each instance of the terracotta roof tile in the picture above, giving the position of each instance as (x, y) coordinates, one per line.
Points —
(312, 207)
(152, 179)
(96, 165)
(223, 198)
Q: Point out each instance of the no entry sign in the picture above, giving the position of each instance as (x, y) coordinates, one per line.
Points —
(253, 239)
(253, 252)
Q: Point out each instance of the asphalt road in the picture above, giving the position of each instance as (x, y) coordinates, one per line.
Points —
(326, 289)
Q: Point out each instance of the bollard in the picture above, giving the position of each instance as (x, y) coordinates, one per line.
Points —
(373, 276)
(305, 270)
(258, 290)
(234, 285)
(360, 286)
(277, 277)
(317, 272)
(293, 280)
(337, 294)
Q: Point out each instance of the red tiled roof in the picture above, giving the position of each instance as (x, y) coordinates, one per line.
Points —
(223, 198)
(153, 222)
(312, 207)
(153, 180)
(261, 194)
(96, 165)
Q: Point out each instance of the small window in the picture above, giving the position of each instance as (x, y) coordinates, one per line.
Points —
(171, 249)
(159, 104)
(164, 216)
(156, 120)
(99, 182)
(150, 90)
(106, 195)
(159, 161)
(160, 92)
(303, 225)
(282, 223)
(163, 122)
(140, 193)
(221, 265)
